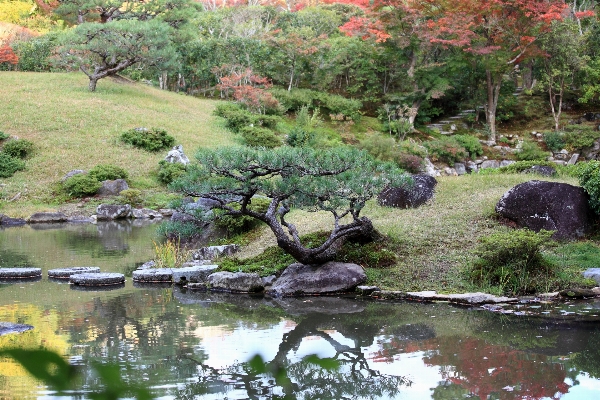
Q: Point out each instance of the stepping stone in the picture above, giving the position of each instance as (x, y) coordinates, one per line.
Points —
(65, 273)
(97, 279)
(20, 273)
(198, 273)
(151, 275)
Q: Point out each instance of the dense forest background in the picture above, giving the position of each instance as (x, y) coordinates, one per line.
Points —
(404, 61)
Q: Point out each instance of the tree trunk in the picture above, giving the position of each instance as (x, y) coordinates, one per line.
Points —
(92, 84)
(527, 74)
(494, 81)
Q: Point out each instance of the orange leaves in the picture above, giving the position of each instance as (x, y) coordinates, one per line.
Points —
(7, 55)
(246, 87)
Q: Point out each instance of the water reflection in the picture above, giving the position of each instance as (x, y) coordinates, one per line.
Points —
(184, 344)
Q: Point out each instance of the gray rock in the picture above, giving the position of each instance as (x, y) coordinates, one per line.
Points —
(506, 163)
(592, 273)
(145, 213)
(409, 195)
(8, 328)
(366, 290)
(543, 170)
(573, 159)
(148, 265)
(577, 293)
(235, 282)
(471, 166)
(193, 274)
(332, 277)
(153, 275)
(8, 221)
(72, 173)
(490, 164)
(553, 206)
(166, 212)
(65, 273)
(462, 298)
(113, 188)
(97, 279)
(47, 217)
(429, 168)
(460, 168)
(214, 252)
(176, 155)
(20, 273)
(113, 211)
(269, 280)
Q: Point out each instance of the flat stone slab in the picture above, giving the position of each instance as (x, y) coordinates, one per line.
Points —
(45, 217)
(197, 273)
(153, 275)
(477, 298)
(20, 273)
(65, 273)
(8, 327)
(97, 279)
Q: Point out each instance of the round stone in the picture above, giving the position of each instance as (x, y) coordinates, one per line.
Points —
(97, 279)
(65, 273)
(20, 273)
(153, 275)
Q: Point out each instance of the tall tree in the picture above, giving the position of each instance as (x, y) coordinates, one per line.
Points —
(499, 33)
(101, 50)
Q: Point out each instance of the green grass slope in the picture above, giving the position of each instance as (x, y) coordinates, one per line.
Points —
(73, 128)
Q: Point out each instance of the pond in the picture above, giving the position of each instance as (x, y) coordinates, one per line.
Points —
(194, 345)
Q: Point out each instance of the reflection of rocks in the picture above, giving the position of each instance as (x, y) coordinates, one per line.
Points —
(321, 305)
(105, 288)
(8, 327)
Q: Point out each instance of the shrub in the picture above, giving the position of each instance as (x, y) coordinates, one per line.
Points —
(237, 118)
(513, 261)
(9, 165)
(154, 139)
(131, 196)
(589, 179)
(379, 146)
(412, 147)
(4, 136)
(555, 141)
(580, 136)
(293, 100)
(168, 172)
(471, 144)
(531, 152)
(240, 224)
(105, 172)
(300, 137)
(81, 185)
(170, 254)
(446, 149)
(178, 230)
(260, 137)
(18, 148)
(34, 54)
(409, 162)
(521, 166)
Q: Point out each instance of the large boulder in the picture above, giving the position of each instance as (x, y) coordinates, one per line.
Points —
(551, 206)
(214, 252)
(332, 277)
(113, 211)
(113, 187)
(409, 195)
(235, 282)
(176, 155)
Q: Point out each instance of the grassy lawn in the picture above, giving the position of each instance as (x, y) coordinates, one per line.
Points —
(73, 128)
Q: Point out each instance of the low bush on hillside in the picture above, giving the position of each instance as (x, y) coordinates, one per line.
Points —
(9, 165)
(327, 104)
(589, 179)
(446, 149)
(105, 172)
(513, 262)
(578, 137)
(168, 172)
(260, 137)
(18, 148)
(154, 139)
(555, 141)
(407, 155)
(471, 144)
(81, 185)
(530, 151)
(4, 136)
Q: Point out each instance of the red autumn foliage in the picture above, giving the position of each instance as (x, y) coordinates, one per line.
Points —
(245, 87)
(7, 55)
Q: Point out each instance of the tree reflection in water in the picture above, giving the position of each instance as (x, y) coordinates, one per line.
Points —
(354, 378)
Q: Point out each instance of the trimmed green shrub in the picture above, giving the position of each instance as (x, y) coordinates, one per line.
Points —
(446, 149)
(471, 144)
(531, 152)
(237, 118)
(513, 261)
(589, 179)
(178, 230)
(81, 185)
(105, 172)
(328, 104)
(9, 165)
(412, 147)
(18, 148)
(300, 137)
(260, 137)
(154, 139)
(578, 137)
(4, 136)
(240, 224)
(555, 141)
(168, 172)
(131, 196)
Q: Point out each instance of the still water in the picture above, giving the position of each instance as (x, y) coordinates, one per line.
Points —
(193, 345)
